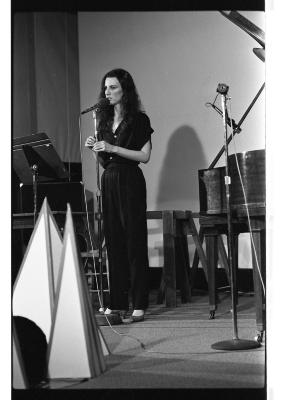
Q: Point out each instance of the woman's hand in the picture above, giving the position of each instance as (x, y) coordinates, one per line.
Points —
(103, 146)
(90, 141)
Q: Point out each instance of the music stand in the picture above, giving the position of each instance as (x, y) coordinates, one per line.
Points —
(36, 160)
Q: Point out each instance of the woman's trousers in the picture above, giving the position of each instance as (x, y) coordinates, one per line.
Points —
(125, 230)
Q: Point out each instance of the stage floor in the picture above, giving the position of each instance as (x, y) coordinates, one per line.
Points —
(172, 349)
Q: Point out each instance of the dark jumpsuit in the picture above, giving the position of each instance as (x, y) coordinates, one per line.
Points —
(124, 214)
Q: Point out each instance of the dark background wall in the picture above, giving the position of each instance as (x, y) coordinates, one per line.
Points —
(46, 96)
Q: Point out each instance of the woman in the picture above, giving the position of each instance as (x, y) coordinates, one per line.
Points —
(124, 141)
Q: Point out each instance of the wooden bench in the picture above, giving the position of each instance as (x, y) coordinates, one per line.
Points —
(177, 225)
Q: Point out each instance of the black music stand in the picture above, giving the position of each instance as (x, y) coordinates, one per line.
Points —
(36, 160)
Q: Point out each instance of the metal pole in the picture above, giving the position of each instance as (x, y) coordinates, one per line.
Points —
(235, 343)
(35, 174)
(99, 219)
(227, 181)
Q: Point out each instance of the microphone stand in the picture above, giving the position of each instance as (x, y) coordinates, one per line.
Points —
(102, 319)
(99, 221)
(34, 169)
(235, 343)
(236, 127)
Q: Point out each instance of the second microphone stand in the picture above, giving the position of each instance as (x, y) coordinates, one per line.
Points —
(235, 343)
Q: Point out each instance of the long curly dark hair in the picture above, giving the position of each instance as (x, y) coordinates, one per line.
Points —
(131, 102)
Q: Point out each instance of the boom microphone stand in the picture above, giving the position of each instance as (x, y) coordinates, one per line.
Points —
(236, 127)
(235, 343)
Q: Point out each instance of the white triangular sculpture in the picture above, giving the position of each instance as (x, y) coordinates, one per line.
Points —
(34, 288)
(19, 376)
(55, 242)
(75, 349)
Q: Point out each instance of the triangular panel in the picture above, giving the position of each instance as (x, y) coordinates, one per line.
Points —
(33, 294)
(56, 243)
(75, 349)
(19, 376)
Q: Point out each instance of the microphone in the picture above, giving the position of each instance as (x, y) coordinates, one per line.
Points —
(236, 128)
(102, 103)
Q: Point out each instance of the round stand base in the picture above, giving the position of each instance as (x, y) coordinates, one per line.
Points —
(236, 344)
(114, 319)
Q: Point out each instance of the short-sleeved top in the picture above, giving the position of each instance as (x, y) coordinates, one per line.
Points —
(132, 134)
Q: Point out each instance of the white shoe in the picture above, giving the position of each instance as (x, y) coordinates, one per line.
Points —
(138, 313)
(121, 313)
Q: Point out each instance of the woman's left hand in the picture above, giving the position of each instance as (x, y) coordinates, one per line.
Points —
(103, 146)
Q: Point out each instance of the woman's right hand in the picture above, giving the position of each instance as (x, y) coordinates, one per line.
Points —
(90, 141)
